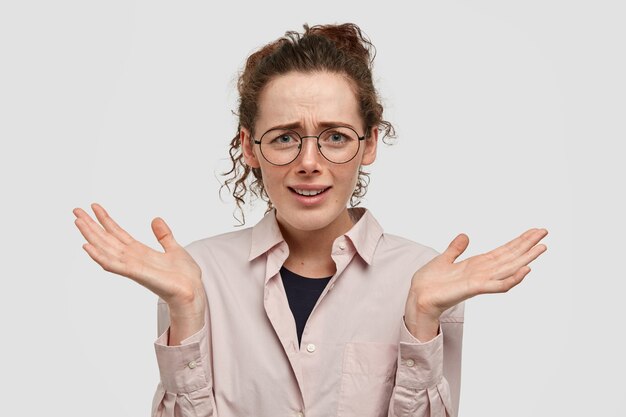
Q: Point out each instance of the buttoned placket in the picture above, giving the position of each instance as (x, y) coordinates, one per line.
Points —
(280, 315)
(311, 343)
(278, 312)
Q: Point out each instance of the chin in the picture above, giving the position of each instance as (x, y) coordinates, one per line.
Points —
(309, 220)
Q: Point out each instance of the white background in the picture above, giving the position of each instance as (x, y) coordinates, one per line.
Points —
(510, 115)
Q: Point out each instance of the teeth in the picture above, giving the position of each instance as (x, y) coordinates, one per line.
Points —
(308, 192)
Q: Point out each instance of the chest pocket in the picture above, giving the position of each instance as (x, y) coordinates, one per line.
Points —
(367, 379)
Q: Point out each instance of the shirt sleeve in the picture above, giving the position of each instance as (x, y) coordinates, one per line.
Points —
(427, 385)
(185, 388)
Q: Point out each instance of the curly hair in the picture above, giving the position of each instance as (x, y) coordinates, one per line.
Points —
(341, 49)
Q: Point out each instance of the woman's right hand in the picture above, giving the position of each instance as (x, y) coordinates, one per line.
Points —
(174, 275)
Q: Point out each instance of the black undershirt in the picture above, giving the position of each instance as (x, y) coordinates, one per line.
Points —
(302, 294)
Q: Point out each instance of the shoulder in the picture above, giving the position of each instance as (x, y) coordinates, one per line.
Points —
(394, 245)
(229, 244)
(387, 247)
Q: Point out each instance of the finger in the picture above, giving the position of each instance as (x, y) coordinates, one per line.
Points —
(131, 268)
(89, 235)
(503, 285)
(107, 263)
(456, 247)
(81, 214)
(86, 218)
(510, 267)
(110, 225)
(98, 237)
(164, 234)
(519, 245)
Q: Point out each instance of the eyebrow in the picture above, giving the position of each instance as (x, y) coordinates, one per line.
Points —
(296, 125)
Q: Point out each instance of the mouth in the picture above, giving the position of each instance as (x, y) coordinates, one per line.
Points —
(308, 193)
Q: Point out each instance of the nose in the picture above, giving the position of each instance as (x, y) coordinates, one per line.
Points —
(310, 156)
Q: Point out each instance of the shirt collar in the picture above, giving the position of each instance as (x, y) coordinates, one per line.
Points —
(364, 234)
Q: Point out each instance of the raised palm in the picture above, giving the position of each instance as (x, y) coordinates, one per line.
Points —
(441, 283)
(173, 275)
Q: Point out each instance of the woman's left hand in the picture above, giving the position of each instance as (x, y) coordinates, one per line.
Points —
(441, 283)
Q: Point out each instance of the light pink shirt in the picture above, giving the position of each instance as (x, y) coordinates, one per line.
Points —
(357, 358)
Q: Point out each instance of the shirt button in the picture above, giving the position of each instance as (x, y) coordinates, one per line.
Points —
(310, 348)
(342, 246)
(192, 364)
(299, 414)
(410, 362)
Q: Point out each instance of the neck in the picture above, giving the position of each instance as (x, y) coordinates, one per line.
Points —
(310, 250)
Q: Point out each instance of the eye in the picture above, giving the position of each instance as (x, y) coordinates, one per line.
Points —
(283, 139)
(337, 137)
(334, 137)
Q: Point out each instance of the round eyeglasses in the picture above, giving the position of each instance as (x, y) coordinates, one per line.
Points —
(338, 144)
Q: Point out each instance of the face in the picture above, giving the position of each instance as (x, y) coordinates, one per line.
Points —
(309, 102)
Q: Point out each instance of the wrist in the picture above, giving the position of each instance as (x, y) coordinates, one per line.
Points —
(419, 307)
(187, 317)
(423, 328)
(186, 312)
(184, 324)
(421, 319)
(191, 306)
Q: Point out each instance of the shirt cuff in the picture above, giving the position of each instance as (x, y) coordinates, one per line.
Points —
(420, 364)
(182, 367)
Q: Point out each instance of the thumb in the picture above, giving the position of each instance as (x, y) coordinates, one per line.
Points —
(163, 234)
(456, 247)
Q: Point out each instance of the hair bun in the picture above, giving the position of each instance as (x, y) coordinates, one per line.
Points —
(347, 37)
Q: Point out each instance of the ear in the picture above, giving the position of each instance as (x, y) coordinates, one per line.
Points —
(369, 155)
(245, 138)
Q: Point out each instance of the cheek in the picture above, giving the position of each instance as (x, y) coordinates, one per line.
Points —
(272, 179)
(349, 177)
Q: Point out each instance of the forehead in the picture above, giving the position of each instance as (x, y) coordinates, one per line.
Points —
(308, 99)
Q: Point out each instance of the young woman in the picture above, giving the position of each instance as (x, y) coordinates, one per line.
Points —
(314, 311)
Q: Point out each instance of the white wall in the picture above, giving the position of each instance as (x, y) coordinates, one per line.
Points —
(511, 111)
